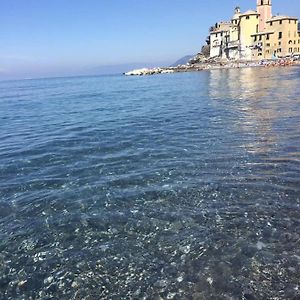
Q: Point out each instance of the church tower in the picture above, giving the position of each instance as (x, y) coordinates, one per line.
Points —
(264, 9)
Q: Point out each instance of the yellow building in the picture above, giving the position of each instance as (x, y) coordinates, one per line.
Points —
(249, 24)
(255, 35)
(280, 39)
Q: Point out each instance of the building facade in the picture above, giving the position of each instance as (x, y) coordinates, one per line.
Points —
(281, 38)
(255, 35)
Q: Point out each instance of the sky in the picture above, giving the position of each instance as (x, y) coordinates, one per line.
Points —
(44, 38)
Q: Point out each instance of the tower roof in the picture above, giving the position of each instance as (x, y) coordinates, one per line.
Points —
(249, 12)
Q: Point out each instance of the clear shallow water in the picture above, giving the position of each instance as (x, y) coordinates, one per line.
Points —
(182, 186)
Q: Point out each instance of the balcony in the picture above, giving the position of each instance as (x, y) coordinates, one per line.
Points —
(232, 44)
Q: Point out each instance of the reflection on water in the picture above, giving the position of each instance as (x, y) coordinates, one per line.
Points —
(183, 186)
(261, 96)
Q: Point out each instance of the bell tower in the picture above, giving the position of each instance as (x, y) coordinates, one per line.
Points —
(237, 10)
(264, 9)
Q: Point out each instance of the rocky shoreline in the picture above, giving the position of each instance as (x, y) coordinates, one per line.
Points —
(212, 65)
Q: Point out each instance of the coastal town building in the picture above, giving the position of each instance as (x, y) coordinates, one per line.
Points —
(280, 39)
(255, 35)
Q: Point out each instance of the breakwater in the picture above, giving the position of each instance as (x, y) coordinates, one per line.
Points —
(213, 65)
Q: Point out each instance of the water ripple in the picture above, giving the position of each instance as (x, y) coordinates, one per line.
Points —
(183, 186)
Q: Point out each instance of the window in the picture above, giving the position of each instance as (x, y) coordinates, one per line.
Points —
(256, 28)
(268, 51)
(268, 45)
(247, 17)
(295, 49)
(260, 37)
(290, 50)
(295, 22)
(255, 38)
(280, 22)
(289, 21)
(268, 36)
(279, 43)
(280, 35)
(271, 23)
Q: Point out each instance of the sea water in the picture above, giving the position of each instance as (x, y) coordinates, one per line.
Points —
(179, 186)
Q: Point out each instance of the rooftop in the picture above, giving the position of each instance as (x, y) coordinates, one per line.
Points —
(219, 30)
(249, 12)
(221, 26)
(278, 18)
(236, 16)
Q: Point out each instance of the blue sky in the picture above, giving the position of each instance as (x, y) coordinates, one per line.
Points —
(68, 37)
